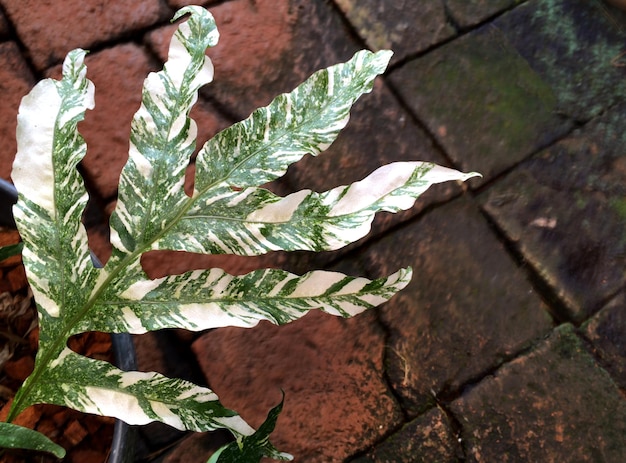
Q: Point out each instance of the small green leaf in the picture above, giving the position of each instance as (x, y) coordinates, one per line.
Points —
(13, 436)
(251, 449)
(10, 250)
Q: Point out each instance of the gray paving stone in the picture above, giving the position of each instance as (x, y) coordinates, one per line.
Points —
(467, 13)
(607, 333)
(427, 439)
(565, 211)
(554, 404)
(467, 309)
(405, 27)
(482, 102)
(576, 47)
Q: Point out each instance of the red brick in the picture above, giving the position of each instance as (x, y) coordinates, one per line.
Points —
(161, 263)
(336, 398)
(85, 23)
(17, 81)
(467, 307)
(75, 432)
(180, 3)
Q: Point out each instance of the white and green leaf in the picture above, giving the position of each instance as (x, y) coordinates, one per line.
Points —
(162, 139)
(51, 192)
(254, 447)
(212, 298)
(305, 121)
(97, 387)
(255, 221)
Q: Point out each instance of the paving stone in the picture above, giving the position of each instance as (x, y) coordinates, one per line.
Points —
(268, 47)
(482, 101)
(606, 333)
(554, 404)
(565, 211)
(406, 26)
(576, 47)
(336, 400)
(427, 439)
(467, 13)
(467, 309)
(16, 81)
(85, 24)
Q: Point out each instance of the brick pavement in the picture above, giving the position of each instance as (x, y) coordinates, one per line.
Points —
(509, 345)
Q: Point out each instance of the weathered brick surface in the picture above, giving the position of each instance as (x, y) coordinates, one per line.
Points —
(482, 101)
(404, 27)
(606, 333)
(576, 48)
(336, 400)
(429, 438)
(564, 209)
(554, 404)
(467, 308)
(85, 23)
(16, 81)
(467, 13)
(268, 47)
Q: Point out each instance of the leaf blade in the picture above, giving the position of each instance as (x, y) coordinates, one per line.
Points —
(51, 194)
(255, 221)
(213, 298)
(138, 398)
(13, 436)
(306, 121)
(163, 138)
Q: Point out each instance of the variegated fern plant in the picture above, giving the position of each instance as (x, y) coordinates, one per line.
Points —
(226, 214)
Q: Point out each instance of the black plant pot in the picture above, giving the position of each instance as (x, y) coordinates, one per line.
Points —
(123, 445)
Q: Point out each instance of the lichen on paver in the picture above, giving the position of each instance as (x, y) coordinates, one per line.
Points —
(573, 46)
(482, 101)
